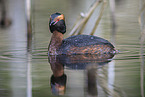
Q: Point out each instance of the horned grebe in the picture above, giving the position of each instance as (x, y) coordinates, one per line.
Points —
(78, 44)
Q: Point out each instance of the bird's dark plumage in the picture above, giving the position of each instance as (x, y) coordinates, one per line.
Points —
(85, 40)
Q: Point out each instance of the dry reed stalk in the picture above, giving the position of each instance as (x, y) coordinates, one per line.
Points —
(99, 18)
(84, 20)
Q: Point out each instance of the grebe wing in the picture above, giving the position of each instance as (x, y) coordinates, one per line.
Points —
(84, 40)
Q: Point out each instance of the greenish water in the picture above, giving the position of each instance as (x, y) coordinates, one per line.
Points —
(27, 74)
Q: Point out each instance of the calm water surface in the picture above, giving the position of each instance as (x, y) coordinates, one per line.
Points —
(27, 72)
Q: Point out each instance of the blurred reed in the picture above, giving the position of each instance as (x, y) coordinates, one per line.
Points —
(141, 20)
(99, 18)
(29, 41)
(29, 22)
(4, 20)
(97, 81)
(91, 76)
(142, 38)
(113, 20)
(81, 22)
(102, 77)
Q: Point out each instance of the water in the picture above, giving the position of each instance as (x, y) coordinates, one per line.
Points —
(28, 74)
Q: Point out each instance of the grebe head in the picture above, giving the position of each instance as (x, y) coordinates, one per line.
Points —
(57, 23)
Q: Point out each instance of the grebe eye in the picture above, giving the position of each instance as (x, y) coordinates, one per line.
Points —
(57, 20)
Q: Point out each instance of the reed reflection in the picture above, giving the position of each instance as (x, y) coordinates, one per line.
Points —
(83, 62)
(4, 20)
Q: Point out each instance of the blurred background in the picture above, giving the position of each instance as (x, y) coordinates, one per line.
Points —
(24, 67)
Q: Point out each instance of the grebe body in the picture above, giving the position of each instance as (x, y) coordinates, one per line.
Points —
(85, 44)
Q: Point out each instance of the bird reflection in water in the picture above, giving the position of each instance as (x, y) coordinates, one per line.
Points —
(87, 62)
(58, 79)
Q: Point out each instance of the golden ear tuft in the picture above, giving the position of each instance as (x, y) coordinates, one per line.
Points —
(61, 17)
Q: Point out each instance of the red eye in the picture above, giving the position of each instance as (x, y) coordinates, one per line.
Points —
(57, 20)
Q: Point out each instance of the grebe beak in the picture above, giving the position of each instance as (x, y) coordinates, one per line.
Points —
(50, 23)
(53, 22)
